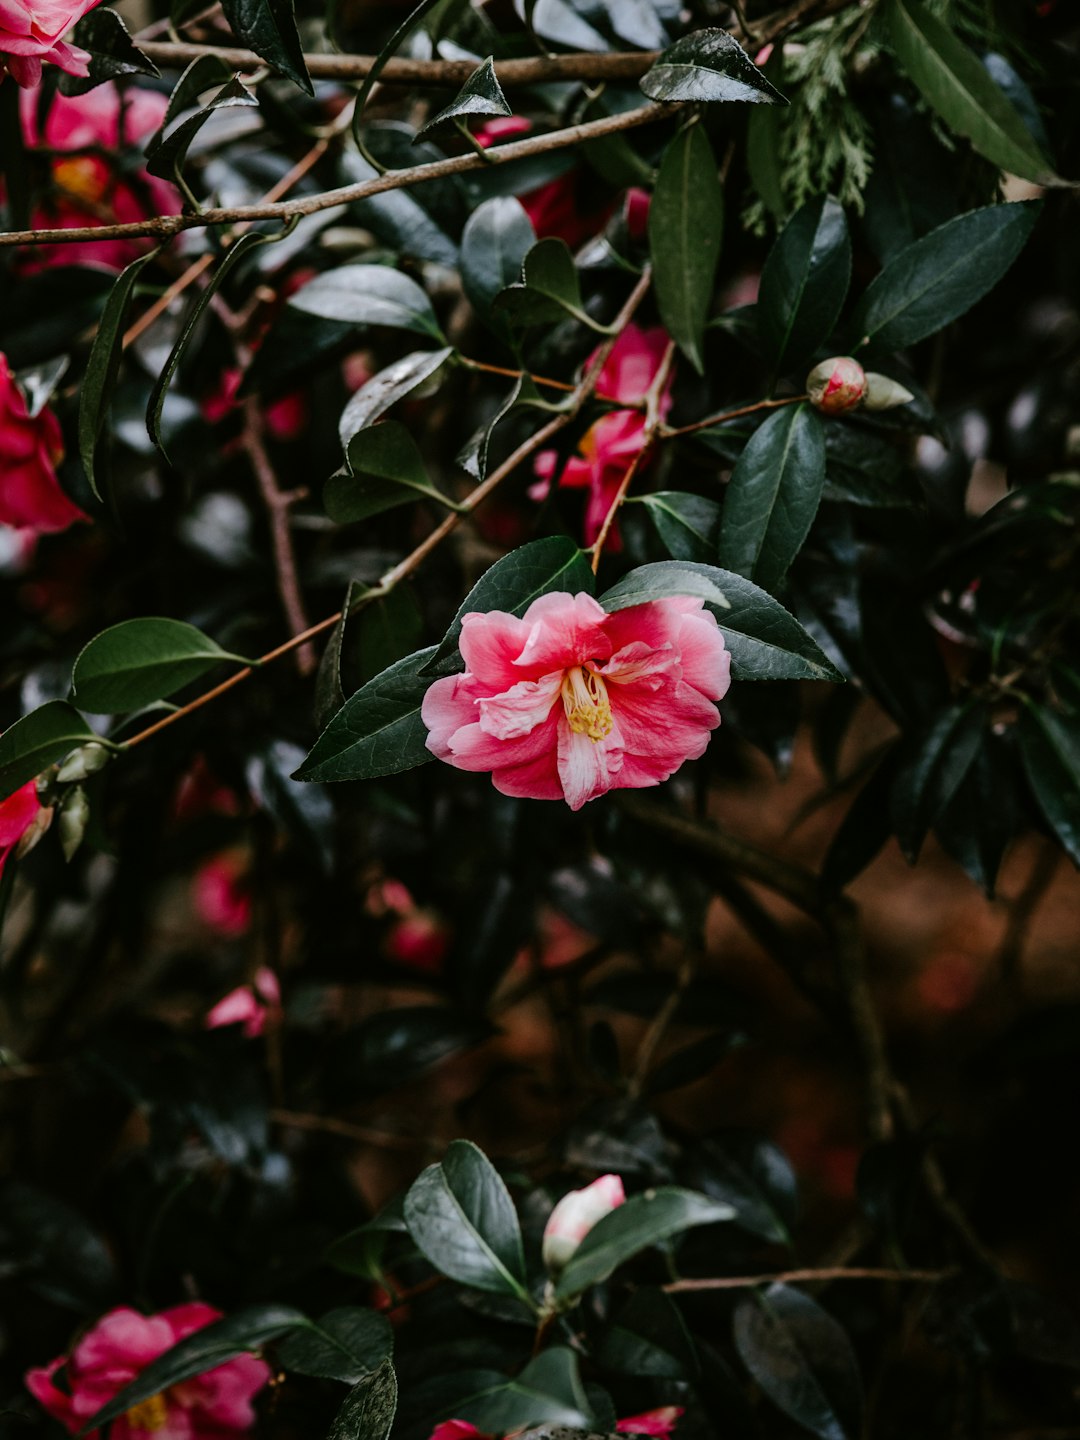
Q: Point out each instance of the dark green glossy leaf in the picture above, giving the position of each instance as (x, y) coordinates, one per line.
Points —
(139, 661)
(865, 827)
(804, 283)
(397, 1046)
(643, 1221)
(942, 275)
(461, 1216)
(756, 1178)
(649, 1337)
(689, 525)
(398, 217)
(709, 65)
(391, 627)
(201, 75)
(348, 1344)
(103, 367)
(929, 780)
(385, 389)
(369, 1409)
(497, 237)
(38, 740)
(378, 731)
(369, 295)
(480, 95)
(802, 1359)
(385, 470)
(549, 1389)
(956, 84)
(304, 813)
(549, 287)
(686, 224)
(765, 641)
(1049, 745)
(240, 1333)
(515, 581)
(269, 28)
(112, 52)
(166, 152)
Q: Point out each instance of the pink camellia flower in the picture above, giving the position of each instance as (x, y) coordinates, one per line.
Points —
(118, 1348)
(568, 702)
(608, 447)
(87, 187)
(837, 385)
(651, 1422)
(575, 1215)
(31, 447)
(17, 814)
(285, 417)
(456, 1430)
(251, 1006)
(637, 204)
(556, 207)
(30, 36)
(221, 893)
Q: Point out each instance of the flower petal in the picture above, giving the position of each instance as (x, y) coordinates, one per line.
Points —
(587, 768)
(518, 711)
(564, 631)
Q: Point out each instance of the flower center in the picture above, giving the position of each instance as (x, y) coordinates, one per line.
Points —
(585, 700)
(82, 178)
(149, 1414)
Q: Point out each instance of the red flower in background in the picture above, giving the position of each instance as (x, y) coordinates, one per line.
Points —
(88, 189)
(251, 1006)
(17, 813)
(221, 894)
(31, 447)
(556, 207)
(30, 36)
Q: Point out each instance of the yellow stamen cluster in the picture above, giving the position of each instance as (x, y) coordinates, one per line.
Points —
(82, 179)
(585, 700)
(149, 1414)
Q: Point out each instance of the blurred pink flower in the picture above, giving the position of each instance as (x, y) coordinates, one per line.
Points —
(251, 1006)
(556, 207)
(118, 1348)
(456, 1430)
(568, 702)
(286, 417)
(30, 36)
(31, 447)
(87, 188)
(636, 203)
(17, 814)
(221, 894)
(575, 1215)
(419, 941)
(608, 447)
(652, 1422)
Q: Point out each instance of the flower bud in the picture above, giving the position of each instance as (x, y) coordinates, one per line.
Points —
(575, 1215)
(883, 393)
(836, 385)
(72, 821)
(34, 831)
(87, 760)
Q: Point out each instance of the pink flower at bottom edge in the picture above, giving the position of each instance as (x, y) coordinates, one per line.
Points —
(456, 1430)
(17, 813)
(652, 1422)
(118, 1348)
(568, 702)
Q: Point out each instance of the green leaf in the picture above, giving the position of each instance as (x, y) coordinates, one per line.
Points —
(385, 389)
(378, 731)
(515, 581)
(686, 225)
(956, 84)
(928, 782)
(385, 470)
(687, 524)
(235, 253)
(649, 1337)
(240, 1333)
(802, 1359)
(329, 684)
(1050, 750)
(166, 152)
(38, 740)
(497, 237)
(644, 1221)
(709, 65)
(139, 661)
(549, 286)
(269, 28)
(103, 367)
(112, 52)
(773, 496)
(347, 1344)
(201, 75)
(384, 631)
(369, 1409)
(480, 95)
(462, 1218)
(549, 1389)
(765, 641)
(942, 275)
(804, 283)
(369, 295)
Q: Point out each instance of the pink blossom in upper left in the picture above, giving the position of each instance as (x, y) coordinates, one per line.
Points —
(119, 1347)
(17, 814)
(31, 447)
(31, 35)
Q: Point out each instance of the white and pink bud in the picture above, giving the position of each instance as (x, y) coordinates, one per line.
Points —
(575, 1215)
(837, 385)
(883, 393)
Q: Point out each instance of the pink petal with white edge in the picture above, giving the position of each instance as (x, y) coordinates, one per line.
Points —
(448, 704)
(564, 631)
(472, 748)
(490, 643)
(673, 723)
(641, 664)
(588, 768)
(520, 709)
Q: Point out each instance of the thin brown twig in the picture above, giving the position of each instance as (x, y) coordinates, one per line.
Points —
(405, 567)
(804, 1277)
(328, 1125)
(667, 432)
(164, 226)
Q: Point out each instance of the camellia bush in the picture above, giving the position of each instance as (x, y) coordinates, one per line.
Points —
(451, 456)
